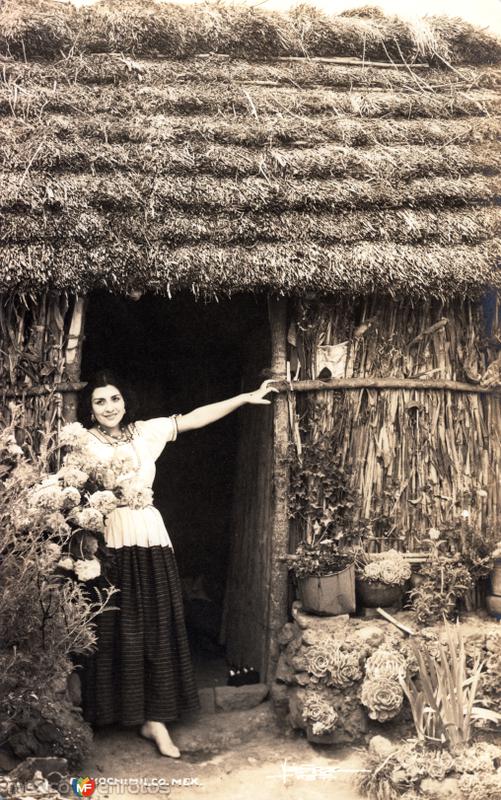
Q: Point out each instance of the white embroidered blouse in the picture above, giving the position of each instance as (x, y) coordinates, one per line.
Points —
(138, 527)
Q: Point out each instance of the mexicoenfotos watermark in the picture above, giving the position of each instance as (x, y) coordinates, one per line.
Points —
(93, 787)
(313, 772)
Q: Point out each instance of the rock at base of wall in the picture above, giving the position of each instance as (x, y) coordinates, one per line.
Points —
(238, 698)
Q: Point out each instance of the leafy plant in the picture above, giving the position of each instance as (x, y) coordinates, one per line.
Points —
(442, 700)
(322, 502)
(444, 580)
(320, 496)
(322, 558)
(476, 547)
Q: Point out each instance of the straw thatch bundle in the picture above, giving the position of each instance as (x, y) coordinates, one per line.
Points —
(44, 28)
(218, 149)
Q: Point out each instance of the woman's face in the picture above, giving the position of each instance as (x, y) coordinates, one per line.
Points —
(108, 407)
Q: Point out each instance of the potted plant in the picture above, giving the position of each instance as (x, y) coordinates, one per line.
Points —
(493, 599)
(321, 504)
(457, 560)
(381, 578)
(325, 577)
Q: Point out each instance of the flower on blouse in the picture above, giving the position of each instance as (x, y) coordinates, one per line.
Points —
(87, 569)
(122, 465)
(104, 476)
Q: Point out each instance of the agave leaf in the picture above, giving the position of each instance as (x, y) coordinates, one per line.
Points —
(479, 712)
(428, 676)
(416, 702)
(470, 701)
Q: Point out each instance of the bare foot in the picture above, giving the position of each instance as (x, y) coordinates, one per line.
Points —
(160, 735)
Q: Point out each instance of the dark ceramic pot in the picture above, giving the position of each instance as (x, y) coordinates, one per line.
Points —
(374, 593)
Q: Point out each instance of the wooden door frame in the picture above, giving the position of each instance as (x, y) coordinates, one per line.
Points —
(277, 611)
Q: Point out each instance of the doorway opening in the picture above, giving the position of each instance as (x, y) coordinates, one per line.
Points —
(179, 354)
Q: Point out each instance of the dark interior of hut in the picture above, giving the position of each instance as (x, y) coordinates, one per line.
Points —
(178, 354)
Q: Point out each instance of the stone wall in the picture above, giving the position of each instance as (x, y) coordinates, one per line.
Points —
(337, 677)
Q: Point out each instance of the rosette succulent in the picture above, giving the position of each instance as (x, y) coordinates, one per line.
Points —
(384, 663)
(318, 661)
(345, 668)
(334, 665)
(383, 697)
(320, 714)
(389, 567)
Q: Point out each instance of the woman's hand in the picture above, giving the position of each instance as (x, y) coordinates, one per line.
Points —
(257, 397)
(205, 415)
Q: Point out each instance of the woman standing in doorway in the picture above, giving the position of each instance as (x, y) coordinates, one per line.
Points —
(141, 672)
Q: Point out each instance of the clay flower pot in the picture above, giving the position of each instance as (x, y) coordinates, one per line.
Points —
(493, 604)
(496, 578)
(329, 595)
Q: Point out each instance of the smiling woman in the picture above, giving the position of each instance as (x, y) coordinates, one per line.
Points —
(141, 673)
(108, 409)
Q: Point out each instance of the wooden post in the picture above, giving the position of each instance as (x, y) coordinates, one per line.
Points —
(73, 357)
(279, 534)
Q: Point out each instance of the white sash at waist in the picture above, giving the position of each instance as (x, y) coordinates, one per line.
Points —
(141, 527)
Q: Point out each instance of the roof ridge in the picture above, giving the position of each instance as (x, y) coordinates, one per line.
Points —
(46, 29)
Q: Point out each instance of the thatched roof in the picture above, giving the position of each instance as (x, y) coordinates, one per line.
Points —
(219, 149)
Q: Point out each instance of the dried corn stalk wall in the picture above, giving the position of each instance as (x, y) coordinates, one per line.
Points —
(41, 339)
(415, 458)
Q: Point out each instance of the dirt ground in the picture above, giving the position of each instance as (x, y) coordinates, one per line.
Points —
(235, 755)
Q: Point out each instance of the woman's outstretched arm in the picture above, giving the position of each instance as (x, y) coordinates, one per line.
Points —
(200, 417)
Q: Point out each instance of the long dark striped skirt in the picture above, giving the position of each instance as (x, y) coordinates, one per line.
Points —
(142, 669)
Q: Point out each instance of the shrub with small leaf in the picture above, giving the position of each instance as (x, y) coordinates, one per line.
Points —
(46, 613)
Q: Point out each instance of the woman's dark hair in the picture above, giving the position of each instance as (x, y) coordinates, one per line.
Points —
(106, 377)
